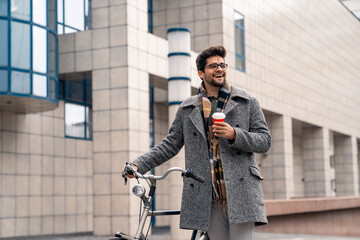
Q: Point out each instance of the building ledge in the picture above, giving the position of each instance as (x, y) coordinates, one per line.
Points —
(307, 205)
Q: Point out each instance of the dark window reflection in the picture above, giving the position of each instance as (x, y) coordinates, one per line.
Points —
(74, 90)
(3, 81)
(20, 82)
(52, 14)
(52, 54)
(3, 8)
(20, 9)
(52, 89)
(20, 45)
(3, 43)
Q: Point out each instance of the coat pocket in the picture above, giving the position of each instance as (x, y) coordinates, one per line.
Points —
(255, 171)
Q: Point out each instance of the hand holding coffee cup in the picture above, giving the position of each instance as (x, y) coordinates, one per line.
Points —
(218, 117)
(221, 128)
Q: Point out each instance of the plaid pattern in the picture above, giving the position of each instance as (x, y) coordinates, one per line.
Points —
(219, 192)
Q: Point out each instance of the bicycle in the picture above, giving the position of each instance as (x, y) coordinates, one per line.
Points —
(140, 191)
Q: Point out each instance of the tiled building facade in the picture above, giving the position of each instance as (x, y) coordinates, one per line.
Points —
(299, 60)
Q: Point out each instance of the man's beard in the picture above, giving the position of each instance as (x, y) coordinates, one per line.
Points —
(214, 83)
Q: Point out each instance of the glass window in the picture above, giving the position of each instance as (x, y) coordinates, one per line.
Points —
(74, 13)
(52, 14)
(20, 9)
(39, 85)
(3, 42)
(39, 12)
(3, 81)
(52, 54)
(74, 120)
(239, 41)
(20, 82)
(3, 8)
(74, 90)
(60, 11)
(20, 45)
(39, 50)
(52, 89)
(88, 118)
(88, 91)
(69, 30)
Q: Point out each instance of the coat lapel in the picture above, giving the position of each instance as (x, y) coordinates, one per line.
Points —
(232, 103)
(195, 115)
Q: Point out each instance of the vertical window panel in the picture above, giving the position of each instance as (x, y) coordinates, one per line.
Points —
(52, 55)
(88, 118)
(60, 11)
(20, 82)
(3, 8)
(74, 13)
(52, 89)
(52, 14)
(3, 43)
(39, 12)
(20, 45)
(74, 120)
(39, 50)
(239, 41)
(39, 85)
(20, 9)
(3, 81)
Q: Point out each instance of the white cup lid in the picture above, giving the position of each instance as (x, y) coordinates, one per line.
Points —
(218, 115)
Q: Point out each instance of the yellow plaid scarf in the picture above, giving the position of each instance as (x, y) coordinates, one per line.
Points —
(219, 192)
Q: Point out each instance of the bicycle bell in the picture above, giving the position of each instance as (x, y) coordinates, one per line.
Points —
(139, 190)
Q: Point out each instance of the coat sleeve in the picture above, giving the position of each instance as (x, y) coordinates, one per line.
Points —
(165, 150)
(258, 138)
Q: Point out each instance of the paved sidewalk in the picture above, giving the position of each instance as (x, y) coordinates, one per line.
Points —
(164, 234)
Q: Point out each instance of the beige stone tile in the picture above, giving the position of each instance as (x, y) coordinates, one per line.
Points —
(70, 147)
(98, 58)
(59, 149)
(119, 98)
(118, 204)
(120, 120)
(47, 205)
(101, 100)
(8, 183)
(81, 221)
(59, 186)
(119, 56)
(81, 148)
(102, 163)
(35, 185)
(70, 186)
(101, 184)
(119, 77)
(8, 142)
(81, 187)
(48, 165)
(8, 207)
(101, 120)
(70, 223)
(119, 223)
(118, 15)
(101, 141)
(119, 141)
(59, 129)
(66, 43)
(8, 163)
(22, 164)
(102, 206)
(66, 62)
(100, 18)
(22, 185)
(81, 168)
(100, 38)
(83, 41)
(35, 206)
(100, 79)
(8, 227)
(8, 121)
(102, 226)
(22, 226)
(59, 224)
(99, 3)
(35, 144)
(22, 123)
(70, 205)
(59, 205)
(83, 61)
(22, 143)
(47, 185)
(35, 224)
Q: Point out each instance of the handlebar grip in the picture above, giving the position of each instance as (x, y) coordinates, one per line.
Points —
(191, 174)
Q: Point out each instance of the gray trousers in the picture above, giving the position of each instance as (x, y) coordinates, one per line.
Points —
(220, 229)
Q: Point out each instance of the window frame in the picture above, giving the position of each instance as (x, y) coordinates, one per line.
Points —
(238, 56)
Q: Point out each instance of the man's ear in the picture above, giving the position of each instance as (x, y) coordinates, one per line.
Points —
(201, 74)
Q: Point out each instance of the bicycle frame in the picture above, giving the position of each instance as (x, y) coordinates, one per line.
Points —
(147, 212)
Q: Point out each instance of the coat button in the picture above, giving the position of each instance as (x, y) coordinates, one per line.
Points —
(237, 125)
(194, 133)
(191, 185)
(242, 180)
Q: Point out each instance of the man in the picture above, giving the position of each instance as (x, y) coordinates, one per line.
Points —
(230, 202)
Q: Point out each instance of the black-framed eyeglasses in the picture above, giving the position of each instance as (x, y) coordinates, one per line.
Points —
(214, 66)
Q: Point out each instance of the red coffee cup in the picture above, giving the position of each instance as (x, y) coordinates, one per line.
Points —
(218, 117)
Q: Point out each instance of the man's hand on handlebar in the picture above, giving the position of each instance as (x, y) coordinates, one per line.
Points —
(127, 171)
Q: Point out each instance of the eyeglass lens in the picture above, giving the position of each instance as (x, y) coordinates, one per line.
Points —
(216, 65)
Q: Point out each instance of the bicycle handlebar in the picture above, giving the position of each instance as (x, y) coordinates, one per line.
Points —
(129, 169)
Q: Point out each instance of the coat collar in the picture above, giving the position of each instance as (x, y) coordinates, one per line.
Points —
(195, 115)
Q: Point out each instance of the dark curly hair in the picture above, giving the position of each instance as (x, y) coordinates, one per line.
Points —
(209, 52)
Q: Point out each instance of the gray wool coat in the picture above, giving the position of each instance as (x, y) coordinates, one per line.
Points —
(242, 177)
